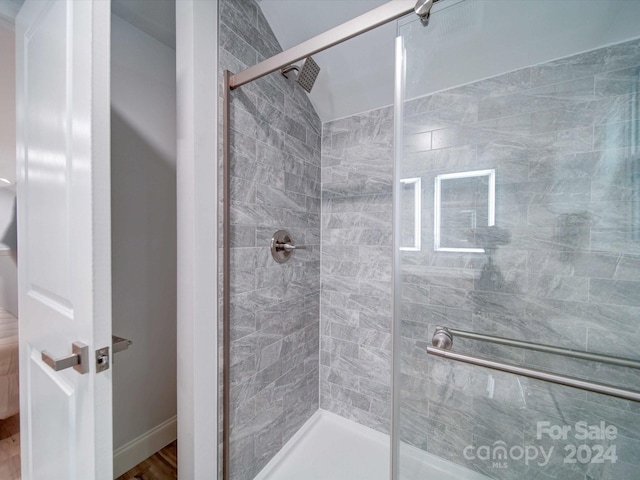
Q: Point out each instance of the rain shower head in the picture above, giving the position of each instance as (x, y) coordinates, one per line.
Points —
(306, 76)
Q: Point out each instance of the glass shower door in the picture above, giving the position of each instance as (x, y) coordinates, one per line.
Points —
(518, 217)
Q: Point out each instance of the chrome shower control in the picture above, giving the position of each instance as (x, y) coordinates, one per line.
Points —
(289, 248)
(282, 246)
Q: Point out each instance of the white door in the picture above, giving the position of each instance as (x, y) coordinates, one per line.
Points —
(64, 253)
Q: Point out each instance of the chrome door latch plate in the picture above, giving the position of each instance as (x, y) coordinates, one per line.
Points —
(102, 359)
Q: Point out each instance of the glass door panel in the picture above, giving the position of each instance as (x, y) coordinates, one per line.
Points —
(519, 124)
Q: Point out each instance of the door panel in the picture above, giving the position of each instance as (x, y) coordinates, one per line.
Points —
(64, 246)
(54, 416)
(47, 183)
(521, 121)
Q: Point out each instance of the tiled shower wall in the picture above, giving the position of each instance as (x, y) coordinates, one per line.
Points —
(355, 346)
(275, 168)
(563, 268)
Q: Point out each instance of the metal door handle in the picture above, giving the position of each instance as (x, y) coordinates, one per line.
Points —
(118, 344)
(79, 359)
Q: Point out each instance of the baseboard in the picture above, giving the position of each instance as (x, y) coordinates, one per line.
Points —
(141, 448)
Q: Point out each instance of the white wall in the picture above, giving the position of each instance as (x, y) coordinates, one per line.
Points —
(8, 267)
(7, 103)
(143, 150)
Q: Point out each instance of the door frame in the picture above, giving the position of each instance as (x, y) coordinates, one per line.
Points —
(197, 227)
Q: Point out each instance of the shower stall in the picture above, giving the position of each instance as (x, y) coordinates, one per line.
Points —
(444, 287)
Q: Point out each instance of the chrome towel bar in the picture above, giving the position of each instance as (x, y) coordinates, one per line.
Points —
(567, 352)
(443, 341)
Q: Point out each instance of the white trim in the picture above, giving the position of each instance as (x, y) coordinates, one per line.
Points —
(139, 449)
(197, 215)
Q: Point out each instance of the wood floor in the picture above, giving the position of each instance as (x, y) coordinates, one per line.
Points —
(161, 466)
(10, 448)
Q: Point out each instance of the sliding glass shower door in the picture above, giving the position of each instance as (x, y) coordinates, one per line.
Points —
(518, 218)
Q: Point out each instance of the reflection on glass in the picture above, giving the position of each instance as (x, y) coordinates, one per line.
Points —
(411, 212)
(464, 204)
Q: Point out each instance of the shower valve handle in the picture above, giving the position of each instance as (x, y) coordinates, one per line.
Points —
(287, 247)
(282, 246)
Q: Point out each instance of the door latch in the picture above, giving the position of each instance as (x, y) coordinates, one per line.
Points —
(102, 359)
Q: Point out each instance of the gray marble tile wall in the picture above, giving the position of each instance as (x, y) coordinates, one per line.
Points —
(563, 139)
(562, 268)
(275, 184)
(356, 260)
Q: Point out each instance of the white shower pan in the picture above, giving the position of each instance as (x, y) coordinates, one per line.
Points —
(330, 447)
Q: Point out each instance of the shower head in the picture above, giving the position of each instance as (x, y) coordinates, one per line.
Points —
(306, 76)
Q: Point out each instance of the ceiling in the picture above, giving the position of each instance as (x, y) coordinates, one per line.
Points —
(356, 75)
(462, 42)
(465, 41)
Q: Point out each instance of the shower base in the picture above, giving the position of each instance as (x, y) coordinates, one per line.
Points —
(330, 447)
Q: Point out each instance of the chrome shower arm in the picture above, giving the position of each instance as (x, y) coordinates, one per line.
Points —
(288, 69)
